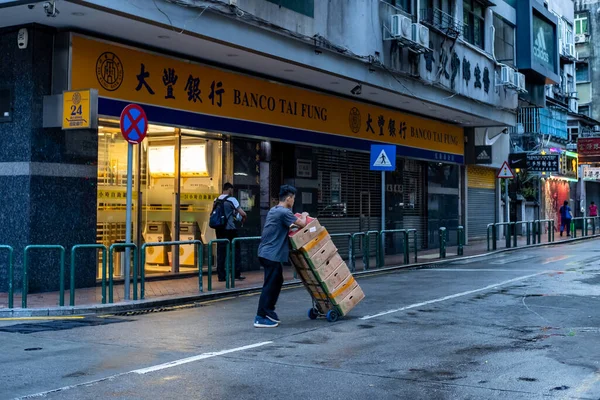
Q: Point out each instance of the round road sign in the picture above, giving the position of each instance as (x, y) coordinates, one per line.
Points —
(134, 124)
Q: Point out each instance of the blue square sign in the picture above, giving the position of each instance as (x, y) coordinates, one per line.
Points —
(383, 157)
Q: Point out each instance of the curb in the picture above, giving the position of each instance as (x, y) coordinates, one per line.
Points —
(198, 299)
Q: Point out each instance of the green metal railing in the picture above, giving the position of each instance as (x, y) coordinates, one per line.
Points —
(416, 240)
(11, 274)
(111, 265)
(405, 244)
(442, 238)
(507, 231)
(61, 298)
(573, 226)
(527, 228)
(460, 236)
(233, 243)
(227, 262)
(199, 261)
(353, 248)
(73, 258)
(491, 228)
(538, 229)
(346, 235)
(367, 249)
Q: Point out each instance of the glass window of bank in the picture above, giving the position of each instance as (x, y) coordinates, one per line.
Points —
(168, 160)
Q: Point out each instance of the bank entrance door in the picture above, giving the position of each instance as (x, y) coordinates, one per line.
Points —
(177, 175)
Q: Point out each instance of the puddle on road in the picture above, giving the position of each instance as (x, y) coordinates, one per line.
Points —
(59, 325)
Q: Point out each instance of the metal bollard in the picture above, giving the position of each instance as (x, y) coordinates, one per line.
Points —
(11, 274)
(61, 301)
(461, 240)
(227, 260)
(442, 238)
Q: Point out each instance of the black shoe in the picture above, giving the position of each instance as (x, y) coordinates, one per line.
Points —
(240, 278)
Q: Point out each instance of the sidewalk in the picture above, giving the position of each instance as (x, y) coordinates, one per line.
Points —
(168, 288)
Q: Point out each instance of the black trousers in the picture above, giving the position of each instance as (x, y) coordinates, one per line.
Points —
(271, 286)
(229, 234)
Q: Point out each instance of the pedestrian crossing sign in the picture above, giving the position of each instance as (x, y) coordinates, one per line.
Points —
(505, 172)
(383, 157)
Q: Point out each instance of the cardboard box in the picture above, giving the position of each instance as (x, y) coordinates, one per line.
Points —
(320, 257)
(350, 301)
(328, 267)
(315, 244)
(336, 278)
(299, 237)
(343, 290)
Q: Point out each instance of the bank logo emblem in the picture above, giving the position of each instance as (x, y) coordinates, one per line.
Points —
(76, 99)
(539, 46)
(354, 120)
(109, 71)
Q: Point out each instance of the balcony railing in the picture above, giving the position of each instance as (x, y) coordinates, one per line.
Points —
(441, 22)
(548, 121)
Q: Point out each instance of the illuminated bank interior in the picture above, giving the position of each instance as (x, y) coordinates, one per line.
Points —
(155, 170)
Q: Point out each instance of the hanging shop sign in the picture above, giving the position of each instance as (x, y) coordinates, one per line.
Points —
(588, 150)
(591, 173)
(141, 77)
(543, 163)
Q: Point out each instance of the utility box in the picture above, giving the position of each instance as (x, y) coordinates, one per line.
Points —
(157, 232)
(188, 254)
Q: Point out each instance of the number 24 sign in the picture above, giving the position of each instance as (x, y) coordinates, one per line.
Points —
(77, 111)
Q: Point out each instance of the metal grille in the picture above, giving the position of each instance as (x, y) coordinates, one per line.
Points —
(480, 211)
(355, 178)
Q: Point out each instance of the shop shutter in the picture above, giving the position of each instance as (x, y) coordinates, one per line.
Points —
(481, 200)
(360, 194)
(592, 193)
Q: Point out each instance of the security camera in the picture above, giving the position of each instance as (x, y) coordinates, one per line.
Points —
(357, 90)
(22, 38)
(50, 9)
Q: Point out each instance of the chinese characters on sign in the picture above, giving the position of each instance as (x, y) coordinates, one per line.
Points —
(588, 150)
(542, 163)
(591, 173)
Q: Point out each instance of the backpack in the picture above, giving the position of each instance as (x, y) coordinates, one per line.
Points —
(218, 219)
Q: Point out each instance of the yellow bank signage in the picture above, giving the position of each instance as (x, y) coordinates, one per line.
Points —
(77, 110)
(133, 75)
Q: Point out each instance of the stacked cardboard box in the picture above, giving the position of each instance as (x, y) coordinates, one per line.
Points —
(325, 275)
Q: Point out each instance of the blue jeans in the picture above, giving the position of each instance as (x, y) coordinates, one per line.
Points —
(567, 222)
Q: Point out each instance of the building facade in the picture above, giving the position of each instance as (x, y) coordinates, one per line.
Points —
(540, 140)
(258, 93)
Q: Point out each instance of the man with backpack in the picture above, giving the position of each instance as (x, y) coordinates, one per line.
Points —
(226, 211)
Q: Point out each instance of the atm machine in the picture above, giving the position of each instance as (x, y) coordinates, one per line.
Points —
(157, 232)
(188, 254)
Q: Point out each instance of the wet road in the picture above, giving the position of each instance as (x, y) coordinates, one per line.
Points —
(520, 325)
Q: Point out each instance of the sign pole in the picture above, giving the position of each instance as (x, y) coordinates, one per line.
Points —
(506, 206)
(127, 272)
(134, 127)
(383, 200)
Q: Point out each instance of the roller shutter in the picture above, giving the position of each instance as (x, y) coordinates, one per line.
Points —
(481, 199)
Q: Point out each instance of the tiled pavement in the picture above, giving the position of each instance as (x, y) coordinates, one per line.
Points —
(173, 287)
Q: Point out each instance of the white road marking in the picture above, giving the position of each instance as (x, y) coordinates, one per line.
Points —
(478, 270)
(146, 370)
(196, 358)
(453, 296)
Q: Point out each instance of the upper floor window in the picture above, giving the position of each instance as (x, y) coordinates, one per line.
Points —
(504, 41)
(473, 19)
(306, 7)
(581, 24)
(402, 4)
(582, 72)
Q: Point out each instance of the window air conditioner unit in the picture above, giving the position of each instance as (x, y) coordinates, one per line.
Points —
(580, 38)
(420, 35)
(570, 49)
(507, 76)
(520, 81)
(401, 26)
